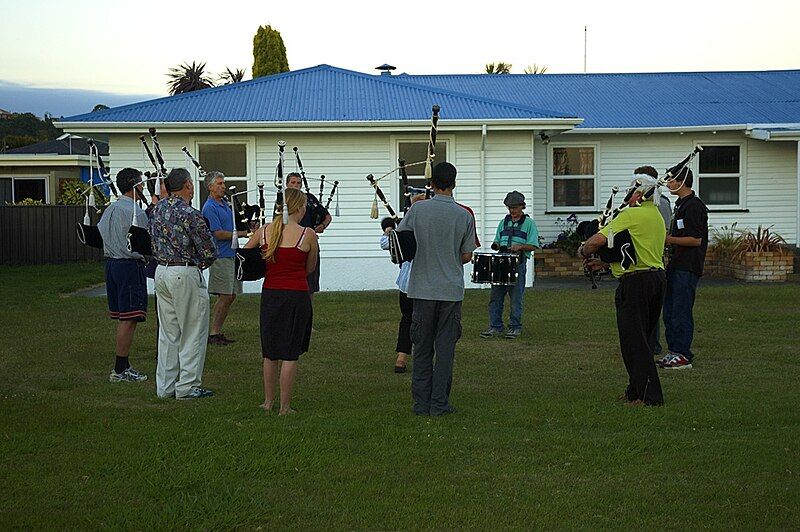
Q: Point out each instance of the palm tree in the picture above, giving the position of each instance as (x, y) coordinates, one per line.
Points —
(499, 68)
(535, 69)
(188, 78)
(231, 76)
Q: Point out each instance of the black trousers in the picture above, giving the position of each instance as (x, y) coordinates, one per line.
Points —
(404, 331)
(638, 301)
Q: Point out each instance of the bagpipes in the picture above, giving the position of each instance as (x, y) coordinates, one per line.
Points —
(249, 264)
(402, 244)
(319, 211)
(244, 215)
(619, 247)
(138, 239)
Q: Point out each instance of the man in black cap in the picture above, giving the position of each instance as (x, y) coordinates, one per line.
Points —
(516, 233)
(126, 285)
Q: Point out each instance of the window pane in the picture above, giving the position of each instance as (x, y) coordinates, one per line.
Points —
(719, 190)
(413, 152)
(29, 188)
(719, 160)
(573, 192)
(573, 161)
(5, 191)
(240, 185)
(230, 159)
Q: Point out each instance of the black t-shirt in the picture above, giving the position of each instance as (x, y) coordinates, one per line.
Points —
(315, 212)
(690, 219)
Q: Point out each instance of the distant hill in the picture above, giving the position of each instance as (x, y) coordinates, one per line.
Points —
(60, 102)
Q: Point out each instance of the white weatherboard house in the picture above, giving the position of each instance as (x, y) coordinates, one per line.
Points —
(562, 140)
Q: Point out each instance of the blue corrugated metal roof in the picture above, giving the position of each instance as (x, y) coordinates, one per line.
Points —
(326, 93)
(321, 93)
(643, 100)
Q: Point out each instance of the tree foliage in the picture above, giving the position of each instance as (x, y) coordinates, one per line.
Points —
(231, 76)
(188, 78)
(26, 128)
(535, 69)
(269, 52)
(498, 68)
(99, 107)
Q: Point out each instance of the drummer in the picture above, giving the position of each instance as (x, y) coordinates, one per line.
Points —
(516, 233)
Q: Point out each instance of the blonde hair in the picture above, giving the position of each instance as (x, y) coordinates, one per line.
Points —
(295, 200)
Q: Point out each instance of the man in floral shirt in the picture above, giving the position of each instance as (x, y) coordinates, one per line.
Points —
(183, 247)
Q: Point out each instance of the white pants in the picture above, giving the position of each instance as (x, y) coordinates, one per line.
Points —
(182, 329)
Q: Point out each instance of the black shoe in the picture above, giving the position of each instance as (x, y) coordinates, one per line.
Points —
(399, 369)
(217, 339)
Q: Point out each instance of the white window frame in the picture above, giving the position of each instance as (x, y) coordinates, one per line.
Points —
(394, 193)
(249, 142)
(13, 177)
(550, 177)
(698, 181)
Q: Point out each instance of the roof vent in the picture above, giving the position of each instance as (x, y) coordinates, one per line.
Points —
(386, 70)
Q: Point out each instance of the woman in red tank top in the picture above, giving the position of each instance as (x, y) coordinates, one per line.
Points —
(290, 252)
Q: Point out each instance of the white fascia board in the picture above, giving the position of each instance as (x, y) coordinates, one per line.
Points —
(676, 129)
(43, 160)
(784, 135)
(323, 127)
(679, 129)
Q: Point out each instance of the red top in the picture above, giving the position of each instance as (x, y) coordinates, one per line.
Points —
(288, 272)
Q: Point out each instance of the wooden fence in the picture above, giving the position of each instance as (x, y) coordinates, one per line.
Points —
(43, 235)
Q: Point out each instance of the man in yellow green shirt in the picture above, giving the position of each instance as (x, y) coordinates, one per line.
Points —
(640, 293)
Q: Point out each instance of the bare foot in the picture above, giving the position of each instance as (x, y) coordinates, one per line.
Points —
(267, 407)
(287, 411)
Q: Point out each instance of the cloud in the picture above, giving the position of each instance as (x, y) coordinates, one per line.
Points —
(19, 98)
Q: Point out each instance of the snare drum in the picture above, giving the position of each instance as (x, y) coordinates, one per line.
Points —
(495, 268)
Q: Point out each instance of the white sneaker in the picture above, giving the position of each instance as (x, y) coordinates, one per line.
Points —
(129, 375)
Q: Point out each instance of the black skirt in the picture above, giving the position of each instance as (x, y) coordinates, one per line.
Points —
(286, 317)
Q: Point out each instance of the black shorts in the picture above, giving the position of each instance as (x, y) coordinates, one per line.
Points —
(126, 287)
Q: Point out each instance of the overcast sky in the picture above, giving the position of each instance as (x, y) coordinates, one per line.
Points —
(128, 47)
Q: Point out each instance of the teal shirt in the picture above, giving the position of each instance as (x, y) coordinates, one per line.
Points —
(522, 232)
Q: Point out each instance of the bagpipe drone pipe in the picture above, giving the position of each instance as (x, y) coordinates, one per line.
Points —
(88, 234)
(249, 262)
(403, 244)
(318, 211)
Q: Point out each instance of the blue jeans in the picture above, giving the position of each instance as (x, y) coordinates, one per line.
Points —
(515, 293)
(678, 319)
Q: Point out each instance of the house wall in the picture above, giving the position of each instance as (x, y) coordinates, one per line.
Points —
(52, 173)
(513, 160)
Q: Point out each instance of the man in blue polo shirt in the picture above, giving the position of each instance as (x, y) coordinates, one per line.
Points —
(221, 275)
(516, 233)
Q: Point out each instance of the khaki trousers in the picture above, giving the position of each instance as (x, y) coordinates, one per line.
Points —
(182, 329)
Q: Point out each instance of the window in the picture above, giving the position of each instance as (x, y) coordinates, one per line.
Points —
(17, 189)
(573, 174)
(230, 159)
(719, 175)
(412, 152)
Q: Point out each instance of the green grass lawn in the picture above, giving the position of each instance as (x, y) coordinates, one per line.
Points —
(539, 441)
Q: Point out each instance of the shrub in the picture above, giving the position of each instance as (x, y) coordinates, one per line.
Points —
(567, 240)
(71, 192)
(726, 241)
(27, 202)
(762, 241)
